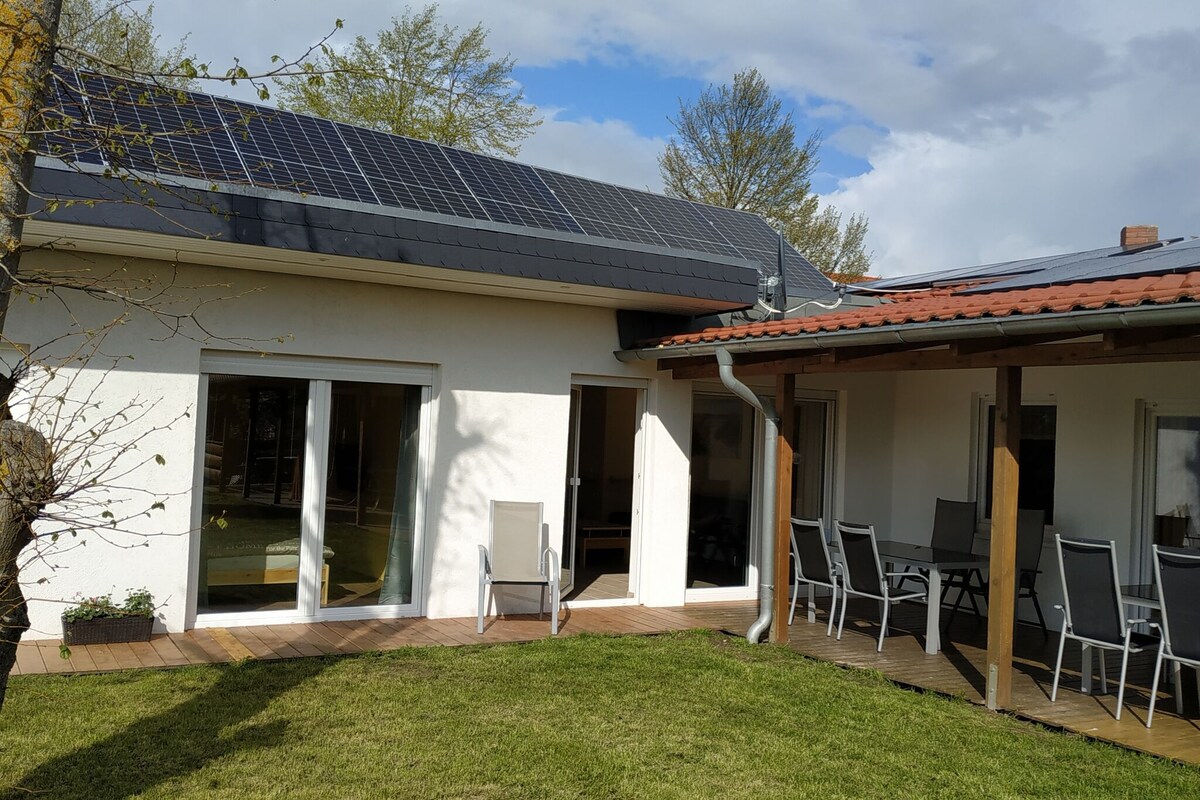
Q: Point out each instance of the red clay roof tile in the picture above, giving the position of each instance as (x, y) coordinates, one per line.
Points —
(941, 304)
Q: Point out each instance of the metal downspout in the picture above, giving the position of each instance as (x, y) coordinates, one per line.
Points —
(766, 567)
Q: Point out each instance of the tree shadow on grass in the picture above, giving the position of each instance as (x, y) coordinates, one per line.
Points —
(177, 741)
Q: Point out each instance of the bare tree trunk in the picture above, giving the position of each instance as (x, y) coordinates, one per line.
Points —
(27, 31)
(25, 480)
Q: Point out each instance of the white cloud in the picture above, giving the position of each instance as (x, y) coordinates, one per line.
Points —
(607, 150)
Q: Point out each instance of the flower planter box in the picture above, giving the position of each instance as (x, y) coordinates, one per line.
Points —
(106, 630)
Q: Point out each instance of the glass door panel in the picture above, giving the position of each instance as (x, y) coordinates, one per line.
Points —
(370, 494)
(721, 483)
(810, 460)
(1177, 481)
(253, 493)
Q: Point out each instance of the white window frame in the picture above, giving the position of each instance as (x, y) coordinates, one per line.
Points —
(641, 446)
(321, 373)
(829, 491)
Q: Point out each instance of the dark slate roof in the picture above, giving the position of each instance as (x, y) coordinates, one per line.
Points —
(226, 148)
(291, 223)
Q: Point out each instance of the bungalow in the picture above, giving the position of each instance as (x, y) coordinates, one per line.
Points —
(431, 329)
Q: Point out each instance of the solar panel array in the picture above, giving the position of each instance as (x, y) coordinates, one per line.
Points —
(140, 129)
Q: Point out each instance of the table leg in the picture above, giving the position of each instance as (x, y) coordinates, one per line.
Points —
(812, 604)
(933, 632)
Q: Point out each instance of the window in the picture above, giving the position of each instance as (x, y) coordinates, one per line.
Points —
(1036, 486)
(811, 468)
(311, 488)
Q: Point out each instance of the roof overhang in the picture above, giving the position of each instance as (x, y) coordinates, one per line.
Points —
(1106, 335)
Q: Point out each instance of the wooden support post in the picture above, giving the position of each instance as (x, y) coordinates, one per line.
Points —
(785, 405)
(1006, 474)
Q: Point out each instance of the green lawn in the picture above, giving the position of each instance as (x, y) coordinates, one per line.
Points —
(688, 715)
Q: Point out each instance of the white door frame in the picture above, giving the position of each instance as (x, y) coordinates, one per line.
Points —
(1146, 467)
(644, 387)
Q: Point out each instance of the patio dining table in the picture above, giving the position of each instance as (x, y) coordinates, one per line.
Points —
(934, 561)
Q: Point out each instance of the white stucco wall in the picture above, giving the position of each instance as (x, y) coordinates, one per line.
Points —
(500, 416)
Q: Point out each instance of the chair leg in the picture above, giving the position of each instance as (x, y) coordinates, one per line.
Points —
(795, 596)
(842, 620)
(482, 607)
(1154, 684)
(1038, 608)
(1177, 668)
(887, 607)
(542, 603)
(1100, 653)
(832, 608)
(971, 593)
(1124, 669)
(554, 602)
(1058, 663)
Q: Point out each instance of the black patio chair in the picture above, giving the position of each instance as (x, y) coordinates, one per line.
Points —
(1031, 535)
(811, 564)
(954, 529)
(863, 575)
(1177, 573)
(1092, 609)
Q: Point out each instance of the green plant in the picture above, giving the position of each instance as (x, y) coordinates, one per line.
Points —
(138, 603)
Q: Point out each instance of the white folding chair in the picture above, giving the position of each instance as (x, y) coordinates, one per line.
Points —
(518, 553)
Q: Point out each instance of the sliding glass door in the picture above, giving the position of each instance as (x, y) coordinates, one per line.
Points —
(311, 494)
(1172, 482)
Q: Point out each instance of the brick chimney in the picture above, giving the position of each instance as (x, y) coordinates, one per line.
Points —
(1138, 235)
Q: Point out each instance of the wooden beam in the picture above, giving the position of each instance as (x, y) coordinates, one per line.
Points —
(785, 406)
(970, 347)
(1133, 337)
(1046, 355)
(1002, 566)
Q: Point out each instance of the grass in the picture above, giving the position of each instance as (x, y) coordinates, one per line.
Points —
(687, 715)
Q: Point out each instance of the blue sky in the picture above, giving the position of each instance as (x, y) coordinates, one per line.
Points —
(642, 95)
(967, 131)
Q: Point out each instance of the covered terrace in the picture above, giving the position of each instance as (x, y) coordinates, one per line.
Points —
(1110, 336)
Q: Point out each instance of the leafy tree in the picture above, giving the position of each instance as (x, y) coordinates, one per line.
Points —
(419, 79)
(115, 37)
(735, 147)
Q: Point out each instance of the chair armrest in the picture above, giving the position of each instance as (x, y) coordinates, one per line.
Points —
(1135, 621)
(550, 561)
(484, 564)
(1153, 624)
(1060, 608)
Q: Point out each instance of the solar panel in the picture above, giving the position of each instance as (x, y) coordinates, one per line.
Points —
(157, 129)
(1109, 264)
(601, 209)
(511, 192)
(409, 173)
(69, 134)
(758, 241)
(293, 152)
(679, 223)
(148, 129)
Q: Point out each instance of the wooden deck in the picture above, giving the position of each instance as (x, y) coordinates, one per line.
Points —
(219, 645)
(957, 671)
